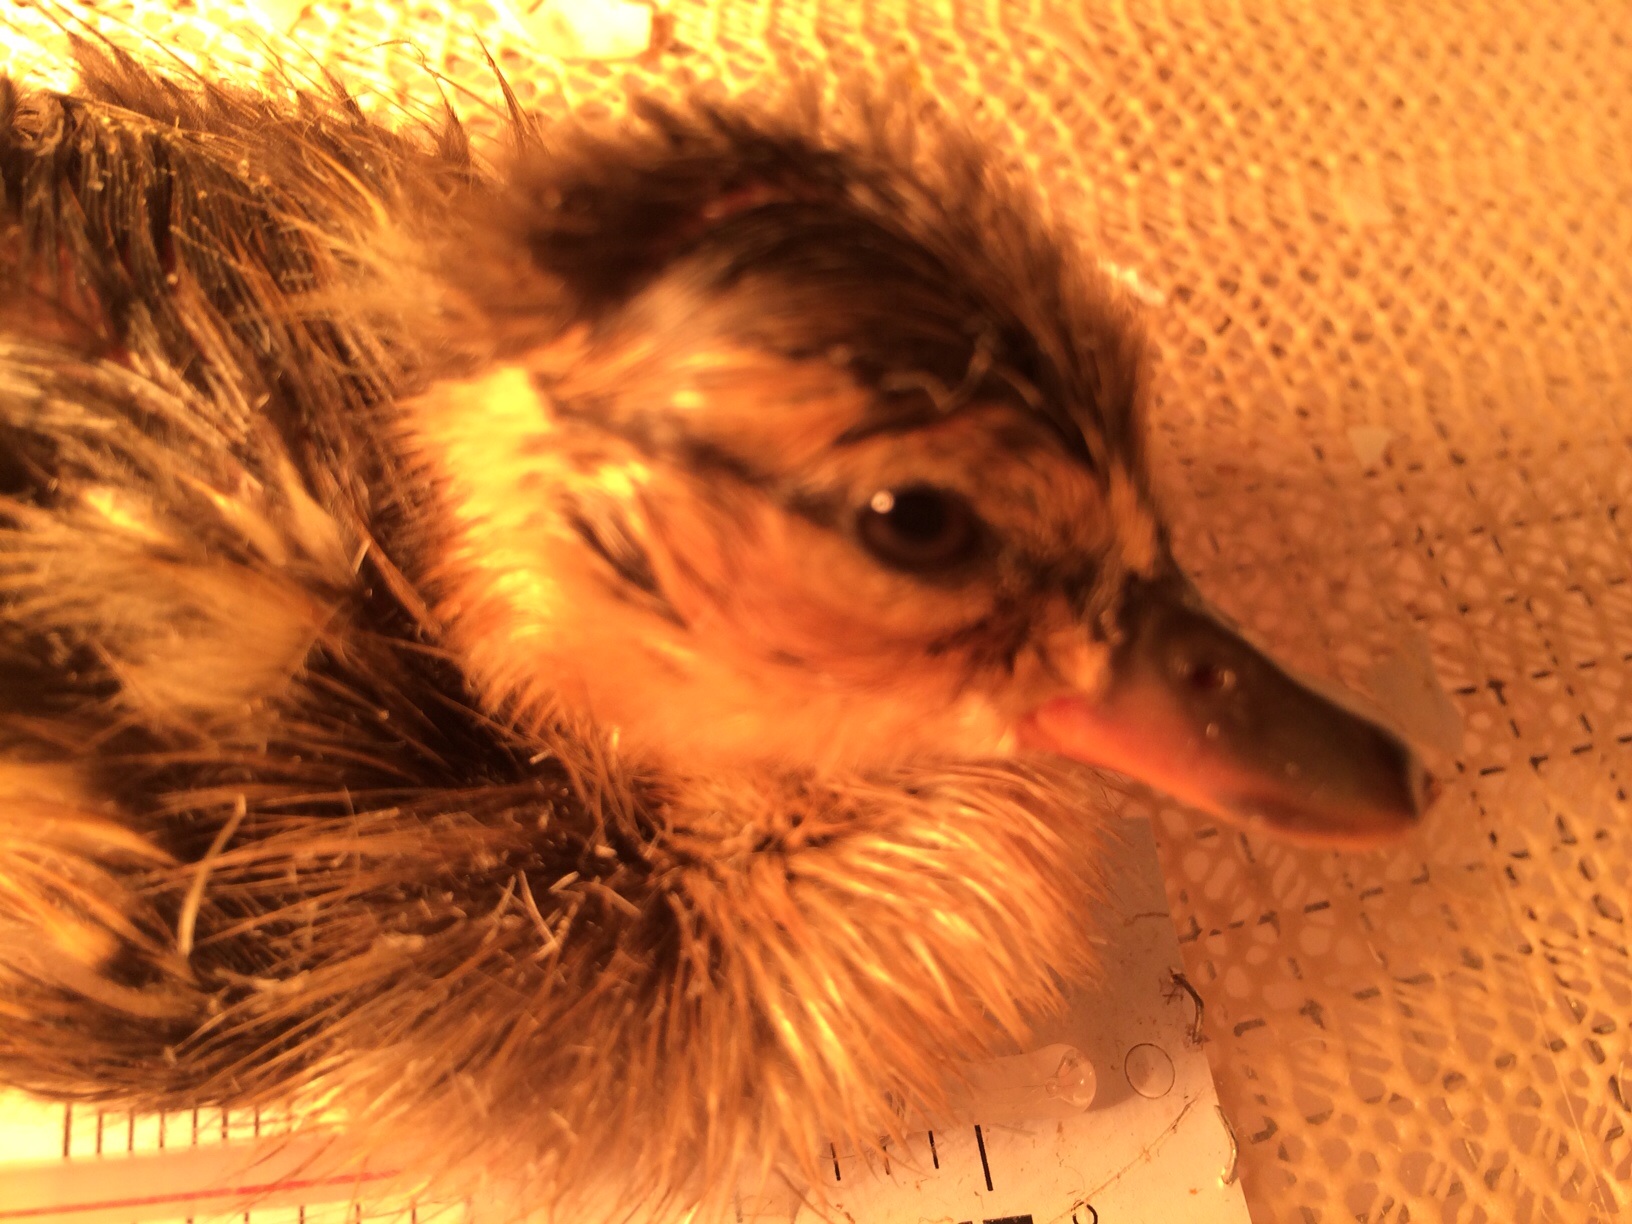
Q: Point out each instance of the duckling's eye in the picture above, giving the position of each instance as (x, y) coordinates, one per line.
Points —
(918, 529)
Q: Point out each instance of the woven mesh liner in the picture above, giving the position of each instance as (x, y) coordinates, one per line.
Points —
(1386, 251)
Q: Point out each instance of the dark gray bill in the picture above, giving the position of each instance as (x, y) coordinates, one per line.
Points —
(1193, 709)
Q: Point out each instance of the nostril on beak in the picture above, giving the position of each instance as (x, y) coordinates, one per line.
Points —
(1211, 678)
(1203, 675)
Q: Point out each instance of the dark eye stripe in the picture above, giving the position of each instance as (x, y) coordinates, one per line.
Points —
(683, 450)
(628, 561)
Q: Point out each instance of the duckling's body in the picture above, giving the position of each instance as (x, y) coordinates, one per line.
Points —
(547, 661)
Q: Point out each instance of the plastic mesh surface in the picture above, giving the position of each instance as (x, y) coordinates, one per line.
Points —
(1386, 251)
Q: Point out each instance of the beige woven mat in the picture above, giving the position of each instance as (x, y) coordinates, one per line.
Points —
(1387, 251)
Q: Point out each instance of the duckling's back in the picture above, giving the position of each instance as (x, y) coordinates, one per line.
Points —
(197, 615)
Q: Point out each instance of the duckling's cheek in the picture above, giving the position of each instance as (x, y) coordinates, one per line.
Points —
(746, 577)
(685, 608)
(1071, 658)
(783, 649)
(717, 718)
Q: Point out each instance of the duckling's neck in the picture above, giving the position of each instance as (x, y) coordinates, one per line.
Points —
(805, 907)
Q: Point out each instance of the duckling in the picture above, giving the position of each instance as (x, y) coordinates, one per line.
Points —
(593, 663)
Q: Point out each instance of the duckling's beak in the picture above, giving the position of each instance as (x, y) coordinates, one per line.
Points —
(1193, 709)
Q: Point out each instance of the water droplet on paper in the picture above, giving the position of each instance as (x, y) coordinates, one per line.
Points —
(1074, 1081)
(1056, 1081)
(1150, 1070)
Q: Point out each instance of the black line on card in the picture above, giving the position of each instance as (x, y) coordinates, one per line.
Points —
(984, 1167)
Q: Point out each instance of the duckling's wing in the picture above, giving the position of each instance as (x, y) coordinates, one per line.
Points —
(202, 652)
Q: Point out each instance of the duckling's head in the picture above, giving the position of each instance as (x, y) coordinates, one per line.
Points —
(822, 455)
